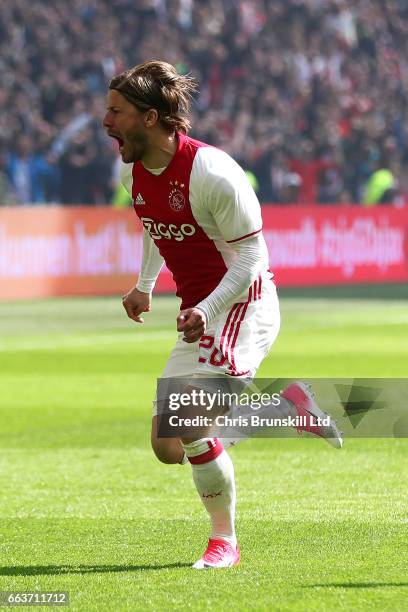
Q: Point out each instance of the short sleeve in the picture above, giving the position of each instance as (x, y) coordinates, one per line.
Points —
(227, 193)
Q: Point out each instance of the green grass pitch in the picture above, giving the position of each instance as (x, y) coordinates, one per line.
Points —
(86, 508)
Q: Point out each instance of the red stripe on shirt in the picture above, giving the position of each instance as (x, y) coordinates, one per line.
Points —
(246, 236)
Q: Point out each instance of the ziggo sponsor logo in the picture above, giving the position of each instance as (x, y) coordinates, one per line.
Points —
(170, 231)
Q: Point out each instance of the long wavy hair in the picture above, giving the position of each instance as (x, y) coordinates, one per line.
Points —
(158, 85)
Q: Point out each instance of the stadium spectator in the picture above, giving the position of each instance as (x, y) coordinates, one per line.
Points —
(276, 76)
(309, 168)
(28, 172)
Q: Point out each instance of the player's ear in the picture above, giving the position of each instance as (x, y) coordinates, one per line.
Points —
(151, 117)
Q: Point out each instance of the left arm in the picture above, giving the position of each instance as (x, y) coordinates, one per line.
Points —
(240, 275)
(227, 194)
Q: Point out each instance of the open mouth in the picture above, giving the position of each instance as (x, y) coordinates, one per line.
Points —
(118, 139)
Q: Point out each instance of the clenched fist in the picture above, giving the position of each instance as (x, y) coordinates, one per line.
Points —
(191, 321)
(135, 302)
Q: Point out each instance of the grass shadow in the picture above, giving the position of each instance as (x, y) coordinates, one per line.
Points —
(50, 570)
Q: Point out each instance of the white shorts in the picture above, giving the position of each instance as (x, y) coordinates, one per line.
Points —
(235, 342)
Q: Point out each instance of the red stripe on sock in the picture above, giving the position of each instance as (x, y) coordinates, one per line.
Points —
(214, 452)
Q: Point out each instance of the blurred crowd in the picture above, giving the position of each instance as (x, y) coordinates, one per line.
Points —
(309, 96)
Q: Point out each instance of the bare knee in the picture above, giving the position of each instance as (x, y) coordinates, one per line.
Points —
(167, 450)
(167, 453)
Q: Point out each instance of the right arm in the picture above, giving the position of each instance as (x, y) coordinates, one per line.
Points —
(152, 263)
(139, 298)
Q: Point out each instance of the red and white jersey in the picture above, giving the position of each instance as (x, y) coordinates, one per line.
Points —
(194, 210)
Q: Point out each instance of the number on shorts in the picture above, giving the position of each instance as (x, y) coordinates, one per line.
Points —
(216, 357)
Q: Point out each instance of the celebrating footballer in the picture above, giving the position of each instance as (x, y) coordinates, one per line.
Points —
(202, 218)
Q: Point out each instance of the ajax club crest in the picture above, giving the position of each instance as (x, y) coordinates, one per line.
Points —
(177, 200)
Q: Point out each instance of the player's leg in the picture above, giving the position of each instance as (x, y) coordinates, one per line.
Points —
(180, 364)
(213, 475)
(167, 450)
(298, 401)
(212, 469)
(256, 334)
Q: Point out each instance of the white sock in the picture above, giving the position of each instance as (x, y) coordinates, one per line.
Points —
(213, 475)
